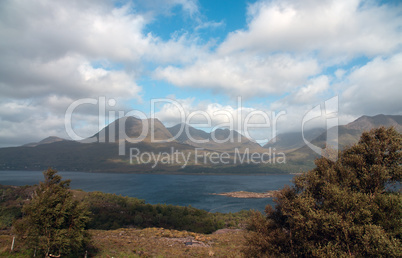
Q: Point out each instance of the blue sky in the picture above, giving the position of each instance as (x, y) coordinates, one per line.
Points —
(277, 56)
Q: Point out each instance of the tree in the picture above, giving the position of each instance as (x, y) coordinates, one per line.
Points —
(54, 223)
(350, 207)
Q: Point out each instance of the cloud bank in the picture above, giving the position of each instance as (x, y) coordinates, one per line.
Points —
(297, 54)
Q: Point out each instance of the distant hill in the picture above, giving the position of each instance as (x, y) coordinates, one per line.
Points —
(101, 151)
(288, 142)
(50, 139)
(347, 135)
(219, 140)
(132, 131)
(366, 123)
(90, 157)
(183, 137)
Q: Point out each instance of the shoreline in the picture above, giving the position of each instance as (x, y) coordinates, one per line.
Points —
(248, 195)
(162, 173)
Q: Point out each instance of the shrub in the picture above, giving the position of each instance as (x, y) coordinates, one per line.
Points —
(53, 222)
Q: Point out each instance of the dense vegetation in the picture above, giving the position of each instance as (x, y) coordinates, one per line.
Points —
(11, 200)
(110, 211)
(350, 207)
(53, 223)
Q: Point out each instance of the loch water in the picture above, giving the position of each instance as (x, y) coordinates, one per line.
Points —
(183, 190)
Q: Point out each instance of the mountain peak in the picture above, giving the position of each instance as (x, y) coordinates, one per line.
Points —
(184, 137)
(47, 140)
(133, 129)
(221, 139)
(366, 123)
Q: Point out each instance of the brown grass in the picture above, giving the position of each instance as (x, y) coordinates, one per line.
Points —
(157, 242)
(150, 242)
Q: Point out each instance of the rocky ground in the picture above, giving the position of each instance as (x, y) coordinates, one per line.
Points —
(244, 194)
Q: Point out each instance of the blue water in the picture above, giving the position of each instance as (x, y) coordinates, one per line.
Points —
(184, 190)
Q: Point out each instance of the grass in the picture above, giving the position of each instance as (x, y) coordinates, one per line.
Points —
(149, 242)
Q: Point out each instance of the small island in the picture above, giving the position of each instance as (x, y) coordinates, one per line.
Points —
(244, 194)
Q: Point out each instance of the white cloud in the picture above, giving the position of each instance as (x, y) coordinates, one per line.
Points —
(180, 49)
(50, 29)
(210, 24)
(51, 46)
(374, 88)
(280, 117)
(312, 92)
(71, 76)
(332, 28)
(189, 6)
(288, 42)
(340, 73)
(30, 120)
(53, 53)
(23, 122)
(242, 74)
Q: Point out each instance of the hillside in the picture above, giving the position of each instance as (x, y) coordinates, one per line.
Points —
(219, 140)
(347, 135)
(288, 142)
(100, 153)
(183, 137)
(366, 123)
(132, 131)
(91, 157)
(50, 139)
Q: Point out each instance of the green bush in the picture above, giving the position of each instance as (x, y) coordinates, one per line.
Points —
(53, 222)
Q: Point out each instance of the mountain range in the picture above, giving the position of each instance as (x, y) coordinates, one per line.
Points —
(100, 152)
(348, 134)
(218, 140)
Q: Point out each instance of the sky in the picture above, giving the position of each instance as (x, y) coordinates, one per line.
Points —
(215, 58)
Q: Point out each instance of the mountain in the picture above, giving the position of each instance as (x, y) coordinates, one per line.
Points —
(350, 134)
(101, 152)
(287, 142)
(347, 135)
(183, 137)
(366, 123)
(89, 157)
(50, 139)
(140, 156)
(221, 139)
(132, 131)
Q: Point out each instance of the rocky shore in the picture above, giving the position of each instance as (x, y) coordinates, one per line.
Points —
(244, 194)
